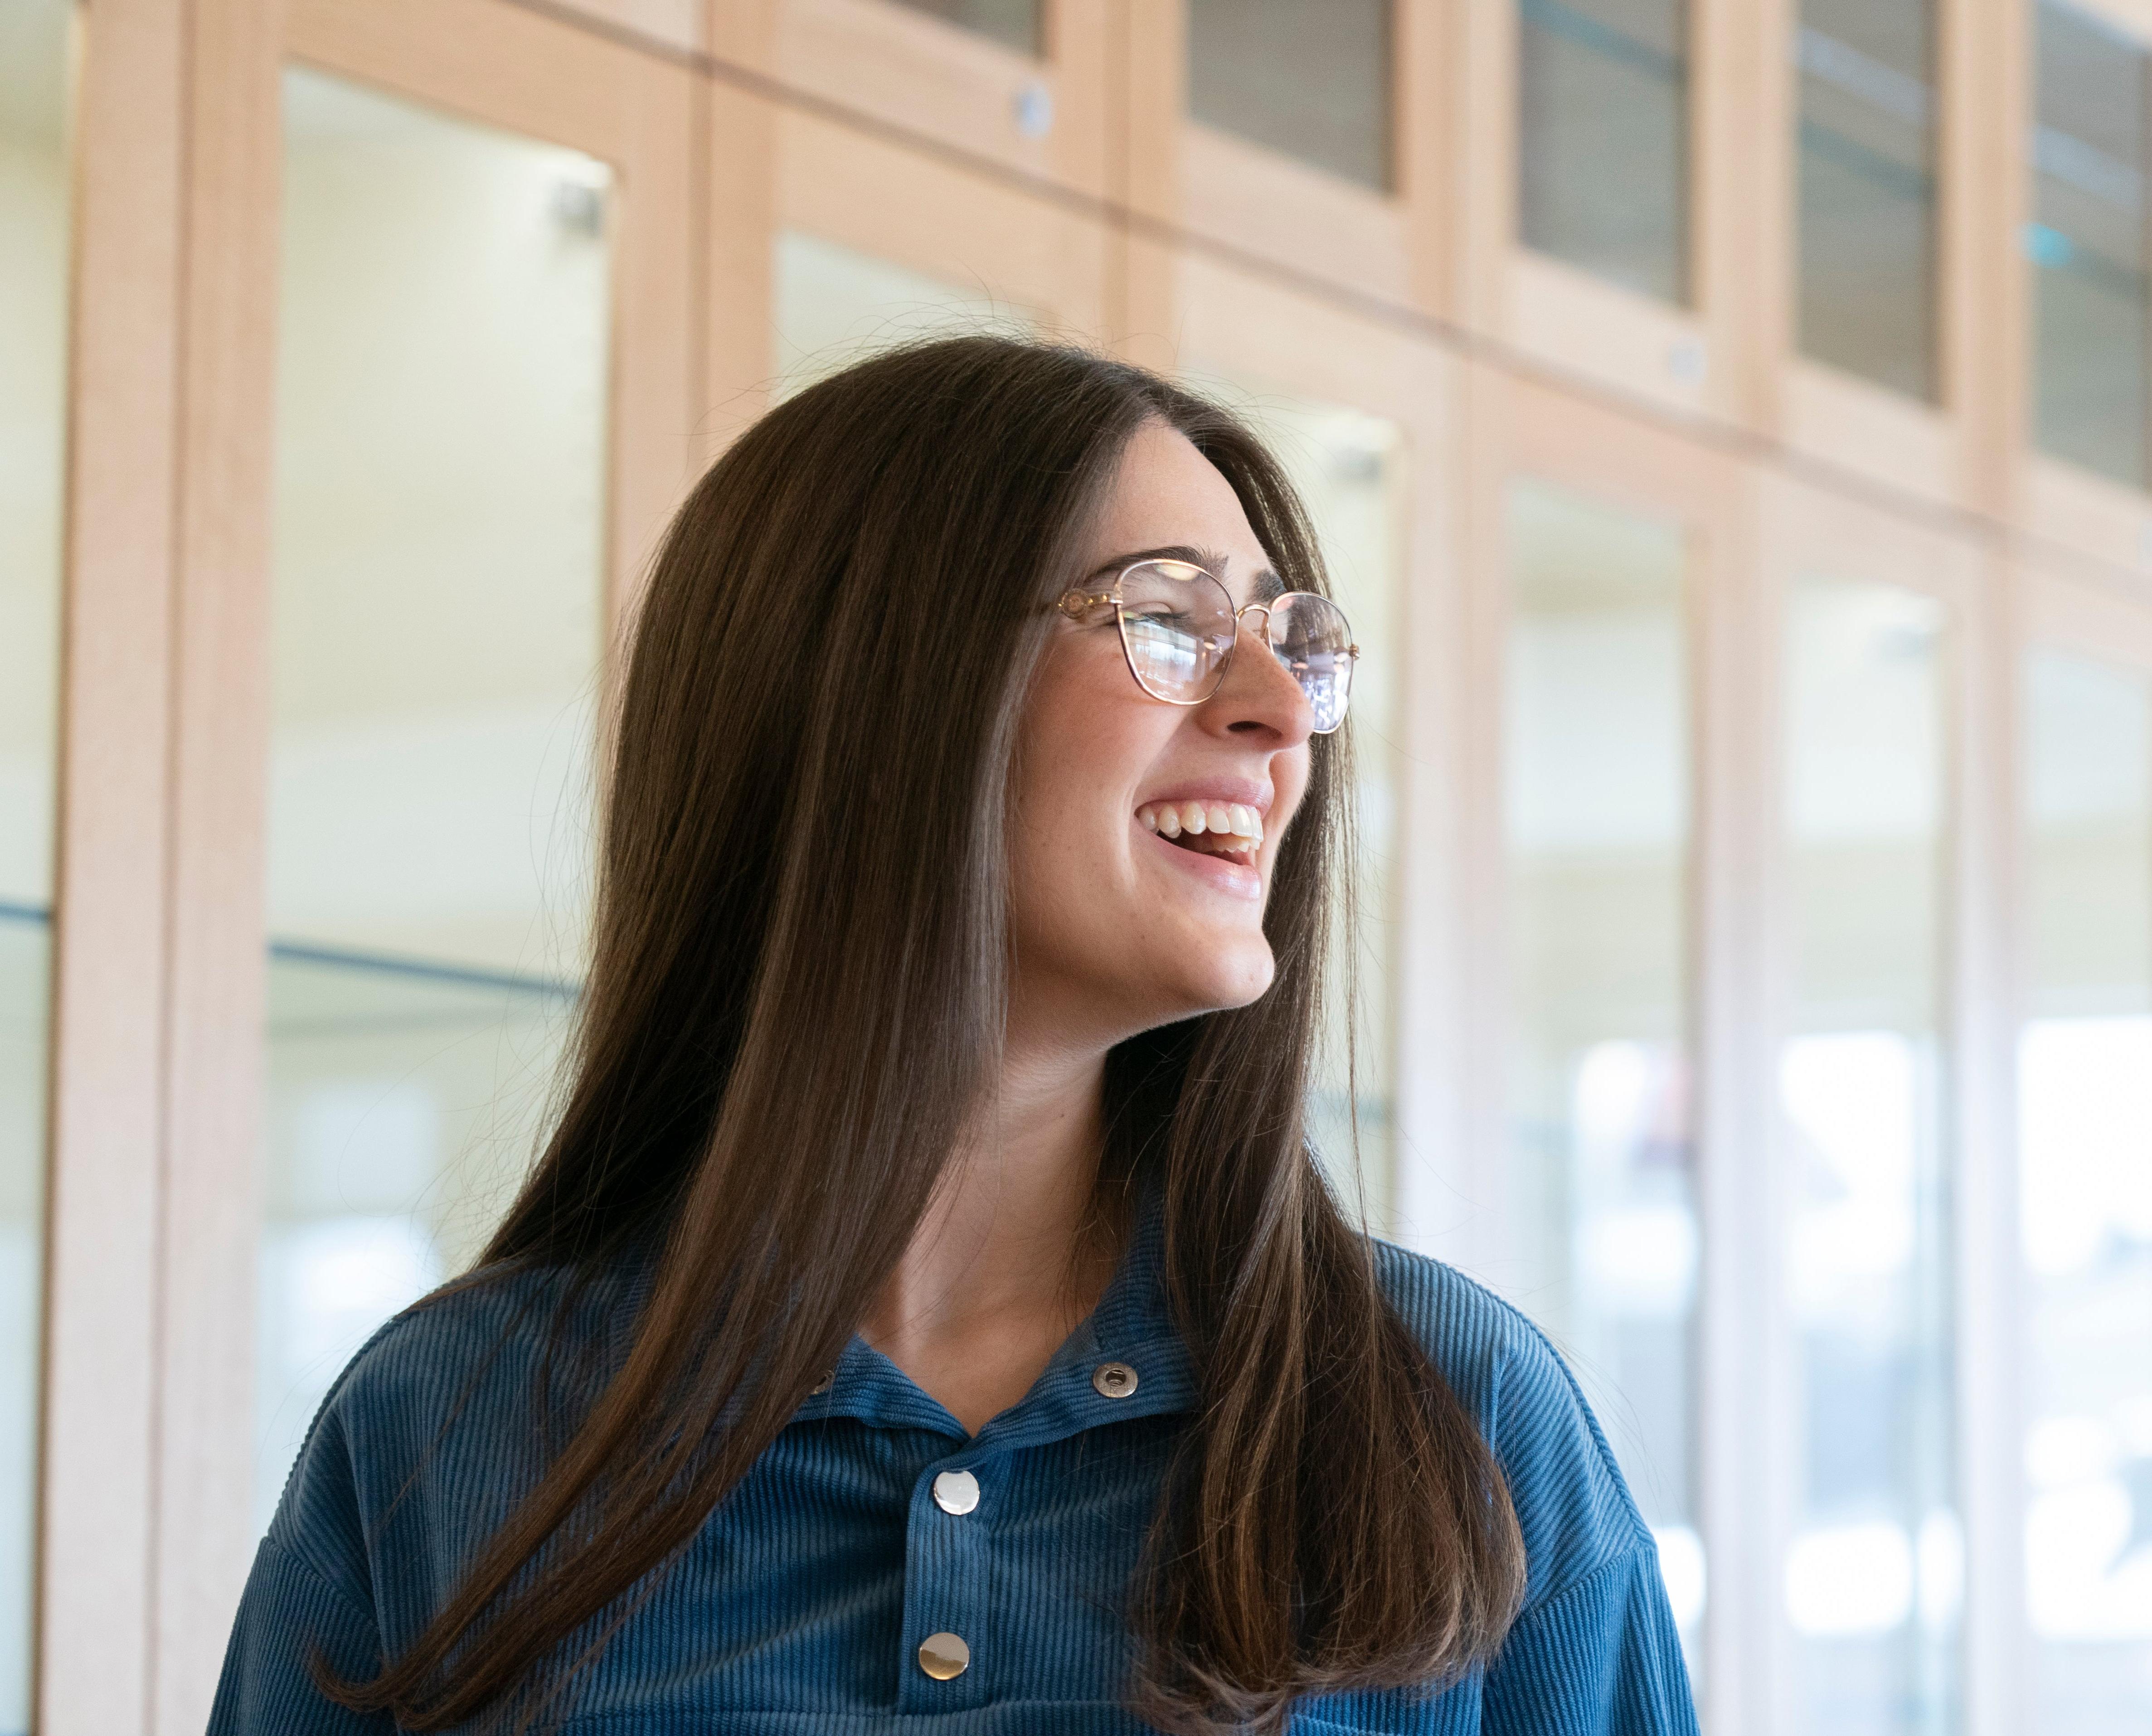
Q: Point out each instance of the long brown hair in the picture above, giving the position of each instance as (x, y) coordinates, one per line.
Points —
(796, 998)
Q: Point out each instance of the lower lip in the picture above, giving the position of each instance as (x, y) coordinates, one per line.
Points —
(1235, 878)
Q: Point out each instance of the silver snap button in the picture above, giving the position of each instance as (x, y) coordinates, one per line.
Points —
(1114, 1380)
(956, 1491)
(944, 1656)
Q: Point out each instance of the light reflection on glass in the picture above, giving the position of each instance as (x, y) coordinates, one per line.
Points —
(2084, 1105)
(1597, 771)
(445, 328)
(1873, 1578)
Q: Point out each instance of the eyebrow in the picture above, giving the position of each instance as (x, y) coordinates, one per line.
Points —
(1263, 587)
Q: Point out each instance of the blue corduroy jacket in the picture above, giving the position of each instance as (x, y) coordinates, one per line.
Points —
(801, 1607)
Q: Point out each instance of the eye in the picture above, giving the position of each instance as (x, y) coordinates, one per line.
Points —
(1161, 615)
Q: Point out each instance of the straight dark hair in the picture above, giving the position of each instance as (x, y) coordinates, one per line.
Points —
(796, 999)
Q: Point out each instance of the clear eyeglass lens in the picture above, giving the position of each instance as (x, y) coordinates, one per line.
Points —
(1309, 635)
(1177, 623)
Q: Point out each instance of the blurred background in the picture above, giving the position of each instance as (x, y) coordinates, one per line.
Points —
(1728, 422)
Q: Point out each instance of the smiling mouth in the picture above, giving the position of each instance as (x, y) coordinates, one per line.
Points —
(1229, 831)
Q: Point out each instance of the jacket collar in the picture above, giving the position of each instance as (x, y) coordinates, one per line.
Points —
(1132, 1325)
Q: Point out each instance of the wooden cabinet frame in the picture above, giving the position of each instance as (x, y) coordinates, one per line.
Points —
(154, 1209)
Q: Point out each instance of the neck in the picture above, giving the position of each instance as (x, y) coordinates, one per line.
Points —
(1006, 1221)
(1001, 1269)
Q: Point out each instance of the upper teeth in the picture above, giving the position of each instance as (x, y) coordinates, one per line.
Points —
(1171, 819)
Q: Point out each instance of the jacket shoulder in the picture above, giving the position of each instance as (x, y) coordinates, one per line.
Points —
(1572, 1502)
(441, 1416)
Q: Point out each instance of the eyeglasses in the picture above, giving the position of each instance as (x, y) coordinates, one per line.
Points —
(1179, 626)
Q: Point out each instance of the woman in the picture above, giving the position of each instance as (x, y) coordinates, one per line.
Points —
(927, 1306)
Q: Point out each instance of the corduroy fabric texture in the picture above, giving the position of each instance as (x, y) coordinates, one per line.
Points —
(800, 1608)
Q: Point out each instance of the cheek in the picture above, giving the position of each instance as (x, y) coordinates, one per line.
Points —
(1086, 737)
(1082, 747)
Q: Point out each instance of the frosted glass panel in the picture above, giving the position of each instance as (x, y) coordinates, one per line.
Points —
(2086, 244)
(1603, 125)
(2084, 1105)
(1597, 757)
(439, 522)
(1312, 82)
(33, 285)
(1873, 1578)
(1867, 211)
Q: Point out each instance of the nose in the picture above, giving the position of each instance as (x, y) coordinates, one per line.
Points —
(1258, 700)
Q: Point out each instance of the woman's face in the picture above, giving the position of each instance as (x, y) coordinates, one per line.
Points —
(1117, 928)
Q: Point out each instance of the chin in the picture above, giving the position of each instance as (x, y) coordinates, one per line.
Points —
(1235, 979)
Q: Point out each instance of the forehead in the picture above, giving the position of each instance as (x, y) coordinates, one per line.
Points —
(1165, 490)
(1167, 495)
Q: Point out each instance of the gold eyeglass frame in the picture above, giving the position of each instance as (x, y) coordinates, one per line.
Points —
(1076, 604)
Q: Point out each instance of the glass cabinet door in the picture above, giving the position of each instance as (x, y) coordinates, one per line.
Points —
(2086, 243)
(1866, 237)
(1597, 766)
(2085, 1148)
(1310, 82)
(1603, 139)
(1874, 1572)
(438, 625)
